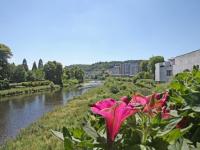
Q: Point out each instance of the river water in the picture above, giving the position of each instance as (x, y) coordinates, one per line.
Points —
(20, 111)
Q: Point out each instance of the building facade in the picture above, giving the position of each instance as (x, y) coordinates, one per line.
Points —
(165, 71)
(186, 61)
(126, 69)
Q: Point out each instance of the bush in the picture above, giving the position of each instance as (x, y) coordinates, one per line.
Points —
(4, 84)
(70, 83)
(114, 90)
(30, 84)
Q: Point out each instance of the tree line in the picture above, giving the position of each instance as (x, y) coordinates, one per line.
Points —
(52, 70)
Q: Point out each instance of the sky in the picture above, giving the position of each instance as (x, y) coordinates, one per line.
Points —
(89, 31)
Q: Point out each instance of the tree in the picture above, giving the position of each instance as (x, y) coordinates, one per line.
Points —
(5, 54)
(40, 64)
(144, 65)
(39, 74)
(31, 76)
(72, 72)
(66, 73)
(53, 72)
(24, 63)
(11, 71)
(19, 74)
(152, 61)
(79, 74)
(34, 66)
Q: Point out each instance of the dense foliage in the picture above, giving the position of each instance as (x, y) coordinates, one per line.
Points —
(4, 84)
(5, 54)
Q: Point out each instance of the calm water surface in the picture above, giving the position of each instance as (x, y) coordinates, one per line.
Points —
(19, 112)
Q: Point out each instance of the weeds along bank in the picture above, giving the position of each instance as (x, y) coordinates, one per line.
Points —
(28, 88)
(38, 136)
(33, 87)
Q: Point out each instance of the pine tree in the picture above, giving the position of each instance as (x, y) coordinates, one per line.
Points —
(40, 64)
(34, 66)
(24, 63)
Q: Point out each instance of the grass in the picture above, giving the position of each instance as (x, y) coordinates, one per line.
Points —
(38, 136)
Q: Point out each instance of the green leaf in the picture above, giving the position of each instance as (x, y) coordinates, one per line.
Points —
(180, 144)
(78, 133)
(66, 133)
(185, 130)
(174, 113)
(196, 109)
(90, 131)
(168, 128)
(57, 134)
(172, 136)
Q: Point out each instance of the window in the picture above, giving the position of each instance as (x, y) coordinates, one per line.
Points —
(169, 72)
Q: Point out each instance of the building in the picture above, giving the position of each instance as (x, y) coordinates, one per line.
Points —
(186, 61)
(128, 68)
(165, 71)
(135, 68)
(115, 71)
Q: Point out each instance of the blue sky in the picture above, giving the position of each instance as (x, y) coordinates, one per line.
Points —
(88, 31)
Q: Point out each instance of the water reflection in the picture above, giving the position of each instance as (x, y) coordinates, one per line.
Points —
(18, 112)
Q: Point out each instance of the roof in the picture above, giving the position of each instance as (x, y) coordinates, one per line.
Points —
(188, 53)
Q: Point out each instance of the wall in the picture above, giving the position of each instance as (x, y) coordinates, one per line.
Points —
(186, 61)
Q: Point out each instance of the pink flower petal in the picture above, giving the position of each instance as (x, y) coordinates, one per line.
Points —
(114, 114)
(125, 99)
(142, 100)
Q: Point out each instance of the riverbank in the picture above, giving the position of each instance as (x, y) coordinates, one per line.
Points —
(34, 87)
(27, 90)
(38, 136)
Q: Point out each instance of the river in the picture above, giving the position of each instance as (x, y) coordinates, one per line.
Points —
(20, 111)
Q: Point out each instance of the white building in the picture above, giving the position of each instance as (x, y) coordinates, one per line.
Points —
(164, 71)
(186, 61)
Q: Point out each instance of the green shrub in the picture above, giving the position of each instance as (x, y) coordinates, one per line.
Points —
(4, 84)
(30, 84)
(114, 90)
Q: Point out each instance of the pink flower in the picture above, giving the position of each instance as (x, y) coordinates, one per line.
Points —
(125, 99)
(114, 113)
(156, 104)
(139, 99)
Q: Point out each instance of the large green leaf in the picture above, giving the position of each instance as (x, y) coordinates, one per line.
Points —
(91, 131)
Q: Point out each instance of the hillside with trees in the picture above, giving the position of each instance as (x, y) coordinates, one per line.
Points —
(99, 69)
